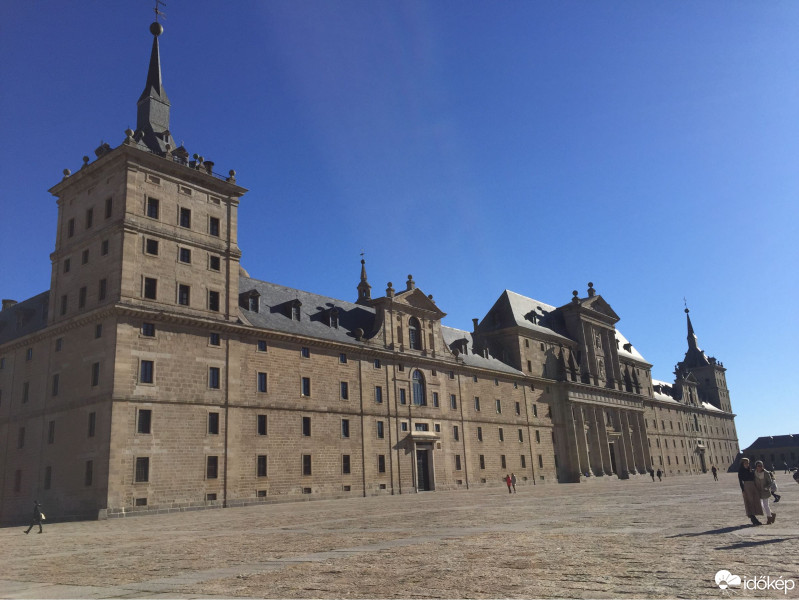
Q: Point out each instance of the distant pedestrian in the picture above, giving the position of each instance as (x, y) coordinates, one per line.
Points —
(785, 464)
(660, 475)
(513, 482)
(763, 481)
(715, 472)
(509, 482)
(37, 517)
(752, 504)
(652, 473)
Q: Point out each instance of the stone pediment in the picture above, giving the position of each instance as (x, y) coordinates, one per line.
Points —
(418, 300)
(598, 304)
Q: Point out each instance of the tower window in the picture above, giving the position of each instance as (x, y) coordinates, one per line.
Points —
(152, 208)
(213, 226)
(184, 294)
(213, 301)
(262, 382)
(185, 218)
(214, 264)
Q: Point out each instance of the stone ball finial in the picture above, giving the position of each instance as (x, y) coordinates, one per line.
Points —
(156, 29)
(575, 293)
(85, 160)
(129, 132)
(687, 311)
(67, 173)
(590, 284)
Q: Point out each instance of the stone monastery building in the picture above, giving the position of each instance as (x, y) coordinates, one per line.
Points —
(156, 374)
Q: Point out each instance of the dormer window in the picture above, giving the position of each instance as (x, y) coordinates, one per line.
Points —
(414, 334)
(250, 300)
(295, 310)
(253, 301)
(333, 318)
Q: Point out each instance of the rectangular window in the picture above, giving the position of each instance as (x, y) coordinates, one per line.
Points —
(305, 390)
(378, 394)
(421, 427)
(84, 258)
(482, 461)
(150, 286)
(521, 435)
(102, 289)
(261, 346)
(381, 433)
(55, 385)
(214, 339)
(262, 382)
(502, 461)
(345, 464)
(21, 437)
(185, 218)
(95, 374)
(518, 409)
(535, 410)
(146, 371)
(499, 406)
(306, 464)
(381, 463)
(213, 423)
(402, 397)
(479, 434)
(435, 400)
(25, 391)
(453, 402)
(213, 226)
(377, 363)
(152, 208)
(262, 465)
(89, 218)
(48, 476)
(64, 304)
(342, 358)
(305, 352)
(477, 403)
(213, 301)
(345, 428)
(66, 265)
(184, 255)
(70, 227)
(51, 432)
(214, 263)
(98, 331)
(345, 390)
(306, 426)
(523, 461)
(184, 294)
(88, 473)
(82, 297)
(143, 420)
(109, 205)
(457, 462)
(212, 467)
(151, 246)
(148, 329)
(92, 427)
(142, 474)
(455, 433)
(213, 378)
(261, 424)
(537, 436)
(501, 435)
(104, 247)
(540, 462)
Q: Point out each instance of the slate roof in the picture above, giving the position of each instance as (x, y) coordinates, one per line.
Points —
(275, 314)
(775, 441)
(452, 335)
(24, 318)
(662, 395)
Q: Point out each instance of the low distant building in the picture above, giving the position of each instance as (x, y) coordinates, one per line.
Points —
(779, 452)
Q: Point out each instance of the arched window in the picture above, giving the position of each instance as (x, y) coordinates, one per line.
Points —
(419, 398)
(414, 334)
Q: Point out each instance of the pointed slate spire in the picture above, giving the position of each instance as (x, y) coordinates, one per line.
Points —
(692, 342)
(152, 115)
(364, 289)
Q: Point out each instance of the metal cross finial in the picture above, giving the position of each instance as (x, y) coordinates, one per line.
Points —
(158, 13)
(684, 302)
(362, 253)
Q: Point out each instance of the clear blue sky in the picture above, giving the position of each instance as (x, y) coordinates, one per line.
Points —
(651, 148)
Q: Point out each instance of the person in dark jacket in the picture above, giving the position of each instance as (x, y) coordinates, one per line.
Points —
(37, 517)
(752, 505)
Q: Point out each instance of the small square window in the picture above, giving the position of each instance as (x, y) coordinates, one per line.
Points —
(474, 378)
(404, 426)
(305, 352)
(451, 374)
(148, 330)
(184, 255)
(151, 246)
(214, 339)
(342, 358)
(438, 427)
(377, 363)
(214, 263)
(261, 346)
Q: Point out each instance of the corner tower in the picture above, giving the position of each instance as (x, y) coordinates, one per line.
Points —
(707, 371)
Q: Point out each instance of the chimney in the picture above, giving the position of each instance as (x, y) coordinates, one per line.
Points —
(8, 303)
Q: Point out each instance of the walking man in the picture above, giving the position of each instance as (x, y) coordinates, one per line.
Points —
(513, 482)
(37, 517)
(715, 472)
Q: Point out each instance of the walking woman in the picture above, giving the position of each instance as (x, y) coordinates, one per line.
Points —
(763, 481)
(752, 504)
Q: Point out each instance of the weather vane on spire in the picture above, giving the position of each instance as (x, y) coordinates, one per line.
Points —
(685, 302)
(158, 13)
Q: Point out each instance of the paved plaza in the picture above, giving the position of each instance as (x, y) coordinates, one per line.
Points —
(595, 540)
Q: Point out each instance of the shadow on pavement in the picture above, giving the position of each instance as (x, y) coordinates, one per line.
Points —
(740, 545)
(713, 531)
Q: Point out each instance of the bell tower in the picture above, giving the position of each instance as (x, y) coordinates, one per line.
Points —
(708, 372)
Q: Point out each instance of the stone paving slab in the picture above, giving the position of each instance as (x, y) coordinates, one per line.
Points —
(616, 539)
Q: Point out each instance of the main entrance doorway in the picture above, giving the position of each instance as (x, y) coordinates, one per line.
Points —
(424, 482)
(702, 464)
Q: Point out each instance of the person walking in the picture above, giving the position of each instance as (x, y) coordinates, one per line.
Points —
(513, 482)
(652, 473)
(508, 482)
(715, 472)
(37, 517)
(752, 504)
(763, 480)
(660, 475)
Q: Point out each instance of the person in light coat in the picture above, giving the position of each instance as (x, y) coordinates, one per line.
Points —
(752, 504)
(763, 481)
